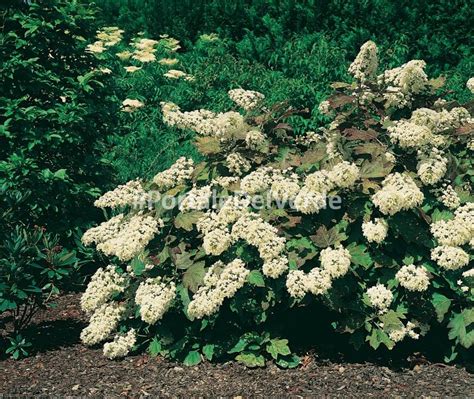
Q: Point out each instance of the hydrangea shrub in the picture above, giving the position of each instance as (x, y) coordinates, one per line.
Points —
(371, 217)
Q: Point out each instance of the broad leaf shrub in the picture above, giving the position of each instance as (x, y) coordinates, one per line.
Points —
(33, 267)
(55, 114)
(371, 217)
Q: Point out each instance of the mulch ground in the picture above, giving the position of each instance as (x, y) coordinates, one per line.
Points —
(63, 367)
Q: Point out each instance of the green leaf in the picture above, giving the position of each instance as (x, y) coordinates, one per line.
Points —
(192, 358)
(441, 305)
(438, 215)
(250, 359)
(458, 328)
(208, 145)
(378, 337)
(325, 238)
(359, 255)
(278, 347)
(391, 321)
(208, 351)
(239, 346)
(255, 277)
(187, 220)
(194, 276)
(154, 348)
(288, 362)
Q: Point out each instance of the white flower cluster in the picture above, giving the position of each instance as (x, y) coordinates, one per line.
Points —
(108, 36)
(308, 138)
(335, 261)
(308, 201)
(413, 278)
(285, 189)
(441, 121)
(256, 140)
(246, 99)
(451, 234)
(409, 135)
(125, 194)
(131, 105)
(224, 126)
(403, 82)
(380, 297)
(375, 231)
(449, 197)
(103, 285)
(450, 258)
(177, 174)
(260, 234)
(237, 164)
(470, 85)
(220, 282)
(168, 61)
(123, 238)
(399, 334)
(364, 67)
(102, 323)
(144, 50)
(398, 192)
(177, 74)
(258, 181)
(154, 298)
(317, 281)
(121, 345)
(324, 107)
(344, 174)
(432, 166)
(196, 199)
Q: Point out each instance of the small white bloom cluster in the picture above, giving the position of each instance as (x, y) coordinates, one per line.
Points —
(324, 107)
(308, 201)
(123, 238)
(102, 323)
(470, 85)
(308, 138)
(450, 258)
(451, 232)
(380, 297)
(132, 69)
(226, 181)
(364, 67)
(237, 164)
(246, 99)
(196, 199)
(224, 126)
(441, 121)
(449, 197)
(256, 140)
(335, 261)
(154, 298)
(403, 82)
(399, 334)
(432, 166)
(409, 135)
(125, 194)
(108, 36)
(413, 278)
(220, 282)
(398, 192)
(168, 61)
(177, 174)
(317, 281)
(214, 226)
(285, 189)
(131, 105)
(177, 74)
(121, 345)
(258, 181)
(144, 50)
(344, 174)
(375, 231)
(319, 182)
(103, 285)
(255, 231)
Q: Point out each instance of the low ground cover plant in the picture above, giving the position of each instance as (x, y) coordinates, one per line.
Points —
(370, 217)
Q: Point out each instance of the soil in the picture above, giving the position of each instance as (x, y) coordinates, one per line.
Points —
(63, 367)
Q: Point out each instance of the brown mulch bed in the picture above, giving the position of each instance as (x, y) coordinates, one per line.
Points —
(65, 368)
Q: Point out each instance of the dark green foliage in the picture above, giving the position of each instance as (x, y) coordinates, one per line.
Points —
(55, 114)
